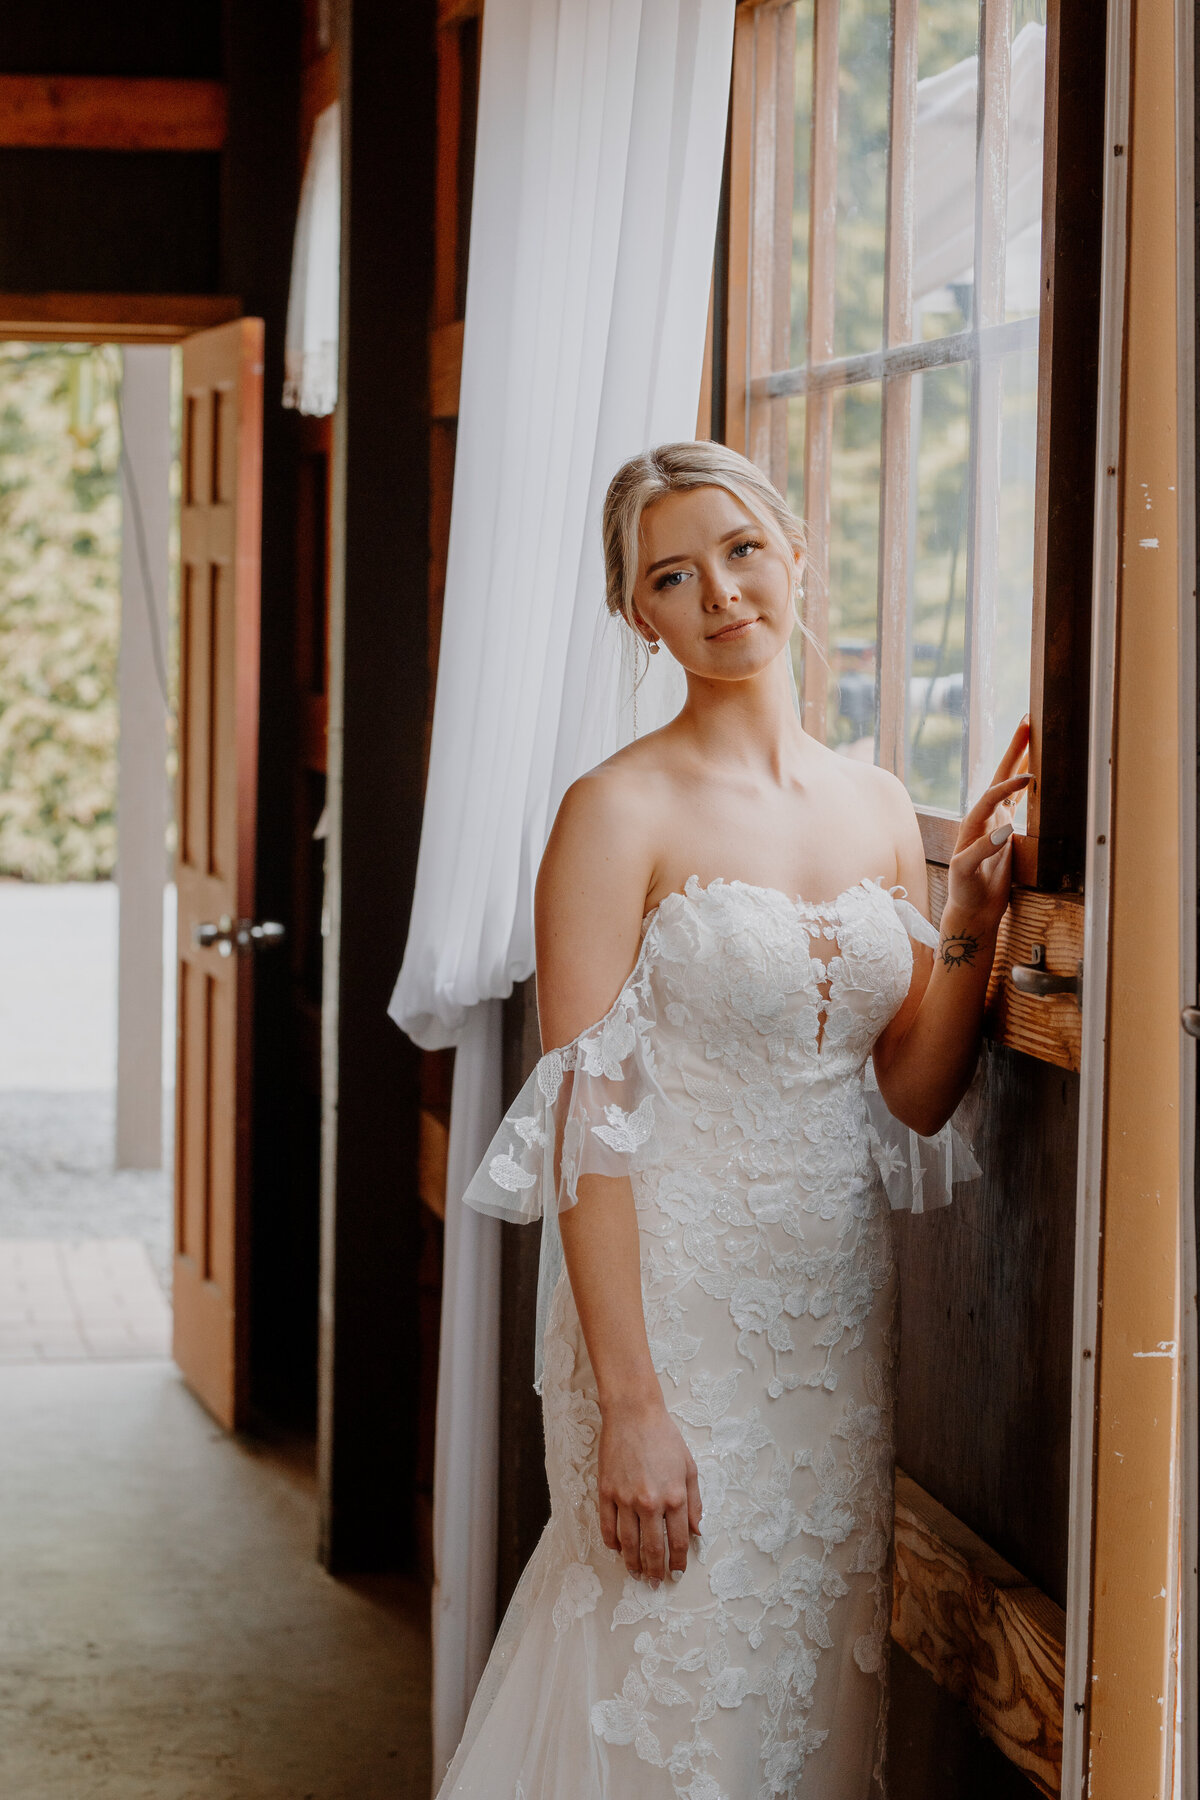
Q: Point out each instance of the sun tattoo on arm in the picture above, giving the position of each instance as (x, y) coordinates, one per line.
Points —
(959, 951)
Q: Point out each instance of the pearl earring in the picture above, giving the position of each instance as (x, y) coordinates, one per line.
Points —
(654, 646)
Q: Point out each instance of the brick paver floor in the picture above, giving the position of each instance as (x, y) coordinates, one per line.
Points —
(89, 1299)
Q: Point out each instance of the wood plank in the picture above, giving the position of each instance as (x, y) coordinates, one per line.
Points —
(433, 1146)
(111, 112)
(453, 12)
(112, 318)
(446, 195)
(982, 1631)
(1051, 1030)
(445, 369)
(1066, 438)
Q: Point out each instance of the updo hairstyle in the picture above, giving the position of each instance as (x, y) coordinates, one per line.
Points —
(674, 469)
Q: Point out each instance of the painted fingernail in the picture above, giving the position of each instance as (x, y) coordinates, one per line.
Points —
(655, 1583)
(1002, 834)
(676, 1574)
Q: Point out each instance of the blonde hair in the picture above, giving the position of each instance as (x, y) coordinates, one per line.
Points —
(674, 469)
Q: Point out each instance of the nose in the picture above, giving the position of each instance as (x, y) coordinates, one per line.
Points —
(719, 592)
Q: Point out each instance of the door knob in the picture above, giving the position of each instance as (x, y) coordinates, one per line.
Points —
(1035, 980)
(1189, 1018)
(225, 935)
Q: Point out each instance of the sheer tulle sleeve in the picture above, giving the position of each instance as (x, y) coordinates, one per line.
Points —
(593, 1107)
(919, 1173)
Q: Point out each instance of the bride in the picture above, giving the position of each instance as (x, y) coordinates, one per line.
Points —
(744, 1016)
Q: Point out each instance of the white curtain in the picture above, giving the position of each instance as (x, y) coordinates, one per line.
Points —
(598, 163)
(310, 353)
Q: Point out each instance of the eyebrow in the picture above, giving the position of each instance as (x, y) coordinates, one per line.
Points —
(738, 531)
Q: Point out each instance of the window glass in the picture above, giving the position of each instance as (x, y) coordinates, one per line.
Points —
(944, 167)
(801, 176)
(853, 570)
(1009, 698)
(1026, 128)
(862, 136)
(941, 429)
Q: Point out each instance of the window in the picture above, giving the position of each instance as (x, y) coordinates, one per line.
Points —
(893, 280)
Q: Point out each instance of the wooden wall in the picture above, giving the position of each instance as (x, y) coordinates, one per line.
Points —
(377, 685)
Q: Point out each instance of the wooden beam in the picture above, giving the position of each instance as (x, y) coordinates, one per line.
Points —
(984, 1632)
(110, 112)
(319, 88)
(433, 1149)
(112, 318)
(445, 369)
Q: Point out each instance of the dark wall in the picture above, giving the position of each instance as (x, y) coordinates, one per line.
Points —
(122, 37)
(106, 221)
(113, 221)
(983, 1403)
(378, 678)
(260, 178)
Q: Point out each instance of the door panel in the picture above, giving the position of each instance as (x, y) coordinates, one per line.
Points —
(218, 754)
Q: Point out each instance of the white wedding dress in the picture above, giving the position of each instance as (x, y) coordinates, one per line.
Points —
(730, 1081)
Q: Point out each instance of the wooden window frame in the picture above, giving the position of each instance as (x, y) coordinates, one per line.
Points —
(1049, 854)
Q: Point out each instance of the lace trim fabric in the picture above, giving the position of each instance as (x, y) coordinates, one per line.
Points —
(597, 1106)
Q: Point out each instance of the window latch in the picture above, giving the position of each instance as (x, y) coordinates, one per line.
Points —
(1035, 980)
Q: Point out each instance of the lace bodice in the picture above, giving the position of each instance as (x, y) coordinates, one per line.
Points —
(730, 1082)
(743, 1003)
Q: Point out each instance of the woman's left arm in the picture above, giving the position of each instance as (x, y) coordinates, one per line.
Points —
(925, 1058)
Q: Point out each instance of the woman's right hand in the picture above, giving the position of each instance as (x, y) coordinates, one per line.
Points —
(648, 1488)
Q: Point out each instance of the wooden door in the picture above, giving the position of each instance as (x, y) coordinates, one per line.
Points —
(218, 754)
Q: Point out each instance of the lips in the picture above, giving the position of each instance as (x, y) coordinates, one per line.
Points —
(735, 630)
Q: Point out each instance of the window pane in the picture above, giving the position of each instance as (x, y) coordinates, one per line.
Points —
(853, 570)
(937, 597)
(1009, 699)
(944, 175)
(801, 175)
(1027, 108)
(862, 131)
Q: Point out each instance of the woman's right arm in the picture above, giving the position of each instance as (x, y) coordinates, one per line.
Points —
(590, 896)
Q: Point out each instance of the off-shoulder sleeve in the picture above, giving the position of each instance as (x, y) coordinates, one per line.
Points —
(919, 1173)
(593, 1107)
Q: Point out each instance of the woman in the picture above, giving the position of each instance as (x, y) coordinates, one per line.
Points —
(718, 1350)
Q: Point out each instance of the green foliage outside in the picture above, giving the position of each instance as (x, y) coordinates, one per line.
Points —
(60, 567)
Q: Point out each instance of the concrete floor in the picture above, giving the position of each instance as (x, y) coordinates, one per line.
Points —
(166, 1633)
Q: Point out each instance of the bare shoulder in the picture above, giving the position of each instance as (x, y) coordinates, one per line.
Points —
(590, 896)
(886, 806)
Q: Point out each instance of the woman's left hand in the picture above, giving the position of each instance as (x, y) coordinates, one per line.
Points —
(980, 873)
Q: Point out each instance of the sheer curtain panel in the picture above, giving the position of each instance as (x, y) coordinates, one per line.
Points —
(310, 349)
(597, 177)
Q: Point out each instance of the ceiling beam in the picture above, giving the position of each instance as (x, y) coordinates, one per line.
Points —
(104, 112)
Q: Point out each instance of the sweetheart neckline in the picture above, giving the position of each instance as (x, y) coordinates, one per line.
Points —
(823, 907)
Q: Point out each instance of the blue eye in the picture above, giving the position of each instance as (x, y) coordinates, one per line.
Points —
(671, 579)
(747, 544)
